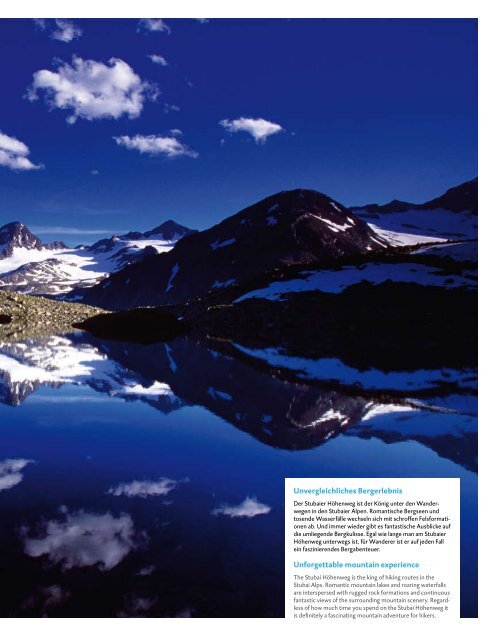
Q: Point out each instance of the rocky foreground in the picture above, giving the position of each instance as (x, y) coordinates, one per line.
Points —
(35, 316)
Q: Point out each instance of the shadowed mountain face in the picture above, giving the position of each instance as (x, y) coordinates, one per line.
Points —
(289, 228)
(275, 408)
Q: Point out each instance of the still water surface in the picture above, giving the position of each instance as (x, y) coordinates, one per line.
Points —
(148, 480)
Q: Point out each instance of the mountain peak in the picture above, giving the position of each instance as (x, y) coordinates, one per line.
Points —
(300, 196)
(294, 227)
(12, 227)
(15, 234)
(170, 230)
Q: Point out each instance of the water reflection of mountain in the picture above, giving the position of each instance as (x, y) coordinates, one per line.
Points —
(285, 413)
(52, 361)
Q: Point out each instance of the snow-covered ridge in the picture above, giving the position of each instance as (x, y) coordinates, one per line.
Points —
(55, 269)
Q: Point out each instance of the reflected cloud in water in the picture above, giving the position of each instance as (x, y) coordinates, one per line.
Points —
(83, 539)
(47, 599)
(11, 472)
(144, 488)
(249, 508)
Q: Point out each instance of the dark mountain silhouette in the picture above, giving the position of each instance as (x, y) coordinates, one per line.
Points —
(457, 199)
(289, 228)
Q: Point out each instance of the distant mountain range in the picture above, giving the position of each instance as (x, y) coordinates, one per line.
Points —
(172, 264)
(458, 199)
(29, 265)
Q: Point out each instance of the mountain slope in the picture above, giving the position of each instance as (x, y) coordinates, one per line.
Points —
(289, 228)
(451, 216)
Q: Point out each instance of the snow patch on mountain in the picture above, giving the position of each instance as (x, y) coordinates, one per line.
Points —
(333, 226)
(375, 409)
(336, 281)
(218, 284)
(175, 271)
(222, 243)
(329, 415)
(398, 239)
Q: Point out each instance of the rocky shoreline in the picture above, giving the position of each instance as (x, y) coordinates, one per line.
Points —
(31, 316)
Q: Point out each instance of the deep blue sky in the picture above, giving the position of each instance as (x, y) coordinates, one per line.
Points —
(372, 110)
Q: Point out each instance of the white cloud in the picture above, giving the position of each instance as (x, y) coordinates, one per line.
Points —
(260, 129)
(95, 172)
(158, 59)
(93, 90)
(202, 20)
(60, 229)
(143, 489)
(66, 31)
(250, 507)
(60, 29)
(11, 472)
(14, 154)
(168, 107)
(156, 145)
(40, 23)
(83, 539)
(156, 25)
